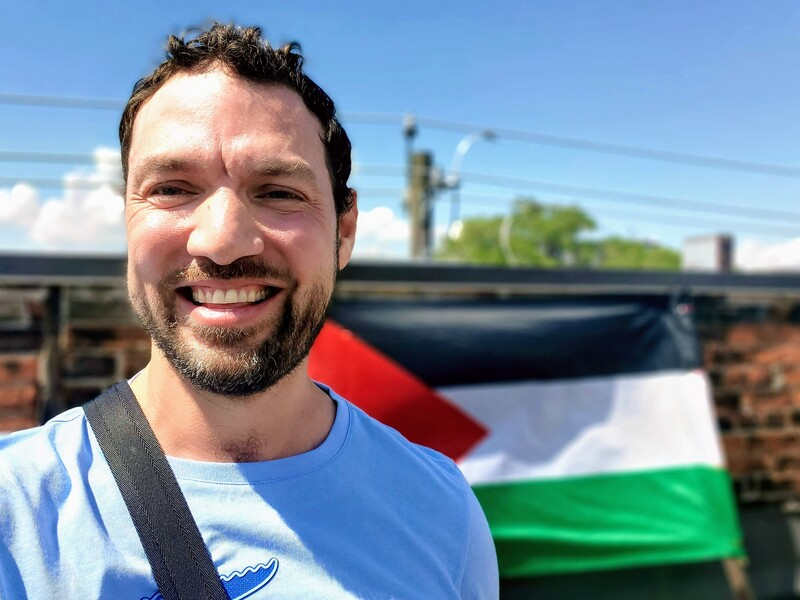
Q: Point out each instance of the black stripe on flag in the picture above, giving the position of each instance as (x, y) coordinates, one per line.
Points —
(447, 342)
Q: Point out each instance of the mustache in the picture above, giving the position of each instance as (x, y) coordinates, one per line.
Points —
(246, 267)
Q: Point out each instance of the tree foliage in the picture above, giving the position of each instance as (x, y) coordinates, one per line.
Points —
(541, 235)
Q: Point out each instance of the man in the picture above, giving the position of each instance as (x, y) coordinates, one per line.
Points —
(238, 219)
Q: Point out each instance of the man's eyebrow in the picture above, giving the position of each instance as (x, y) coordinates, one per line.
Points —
(280, 168)
(155, 165)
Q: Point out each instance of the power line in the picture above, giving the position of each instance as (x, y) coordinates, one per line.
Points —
(630, 197)
(395, 193)
(377, 118)
(62, 101)
(670, 210)
(48, 183)
(641, 152)
(684, 217)
(706, 223)
(531, 137)
(682, 225)
(67, 158)
(524, 186)
(379, 170)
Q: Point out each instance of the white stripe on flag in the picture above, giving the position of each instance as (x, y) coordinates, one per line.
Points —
(589, 426)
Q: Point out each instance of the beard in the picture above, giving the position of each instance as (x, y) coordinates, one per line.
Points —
(228, 363)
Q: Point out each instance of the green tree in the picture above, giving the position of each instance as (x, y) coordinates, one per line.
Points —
(619, 253)
(541, 235)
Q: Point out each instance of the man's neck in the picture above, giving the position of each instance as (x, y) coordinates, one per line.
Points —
(292, 417)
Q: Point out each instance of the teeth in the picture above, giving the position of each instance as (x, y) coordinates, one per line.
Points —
(209, 296)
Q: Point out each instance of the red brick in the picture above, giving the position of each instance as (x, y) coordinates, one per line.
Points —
(123, 337)
(16, 423)
(17, 395)
(747, 376)
(755, 334)
(786, 353)
(748, 420)
(736, 444)
(727, 399)
(17, 368)
(774, 442)
(787, 462)
(787, 480)
(787, 331)
(775, 419)
(791, 375)
(745, 464)
(745, 334)
(738, 465)
(761, 402)
(718, 354)
(26, 410)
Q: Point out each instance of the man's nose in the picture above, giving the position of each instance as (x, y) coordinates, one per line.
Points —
(224, 229)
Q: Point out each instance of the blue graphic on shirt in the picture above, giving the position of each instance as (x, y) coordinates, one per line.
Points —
(244, 583)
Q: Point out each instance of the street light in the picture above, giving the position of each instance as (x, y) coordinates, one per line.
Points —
(453, 179)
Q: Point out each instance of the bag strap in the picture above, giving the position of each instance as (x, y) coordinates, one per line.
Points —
(178, 556)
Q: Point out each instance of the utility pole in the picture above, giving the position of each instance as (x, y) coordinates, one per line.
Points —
(420, 203)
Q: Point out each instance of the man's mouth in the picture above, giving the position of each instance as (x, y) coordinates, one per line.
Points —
(250, 294)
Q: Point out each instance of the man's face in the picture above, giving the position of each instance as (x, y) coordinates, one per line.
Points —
(233, 239)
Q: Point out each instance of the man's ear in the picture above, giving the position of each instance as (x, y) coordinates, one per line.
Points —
(347, 230)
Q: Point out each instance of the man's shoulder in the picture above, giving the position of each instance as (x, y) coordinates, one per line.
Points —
(380, 447)
(31, 452)
(429, 495)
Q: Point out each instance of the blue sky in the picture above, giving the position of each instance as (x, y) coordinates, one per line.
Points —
(716, 78)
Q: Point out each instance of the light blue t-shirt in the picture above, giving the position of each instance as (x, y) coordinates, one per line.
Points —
(365, 515)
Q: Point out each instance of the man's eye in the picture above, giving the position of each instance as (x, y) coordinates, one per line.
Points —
(280, 194)
(168, 190)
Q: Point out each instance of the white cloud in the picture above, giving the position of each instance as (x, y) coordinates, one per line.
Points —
(381, 234)
(19, 205)
(751, 255)
(88, 216)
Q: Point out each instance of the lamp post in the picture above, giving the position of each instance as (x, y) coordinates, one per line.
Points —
(453, 179)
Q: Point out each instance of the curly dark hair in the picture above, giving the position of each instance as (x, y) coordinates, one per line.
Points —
(248, 55)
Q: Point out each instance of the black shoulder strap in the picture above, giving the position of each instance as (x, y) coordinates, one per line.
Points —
(178, 556)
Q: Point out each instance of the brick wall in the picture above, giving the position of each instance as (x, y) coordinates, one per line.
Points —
(59, 347)
(21, 312)
(752, 355)
(19, 390)
(102, 343)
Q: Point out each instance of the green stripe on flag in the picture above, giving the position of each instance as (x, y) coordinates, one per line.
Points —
(612, 520)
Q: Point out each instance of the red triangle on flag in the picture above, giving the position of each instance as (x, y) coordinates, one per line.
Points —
(388, 392)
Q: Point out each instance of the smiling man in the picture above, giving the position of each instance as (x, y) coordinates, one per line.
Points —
(239, 218)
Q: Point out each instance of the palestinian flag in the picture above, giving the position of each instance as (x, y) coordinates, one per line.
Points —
(584, 425)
